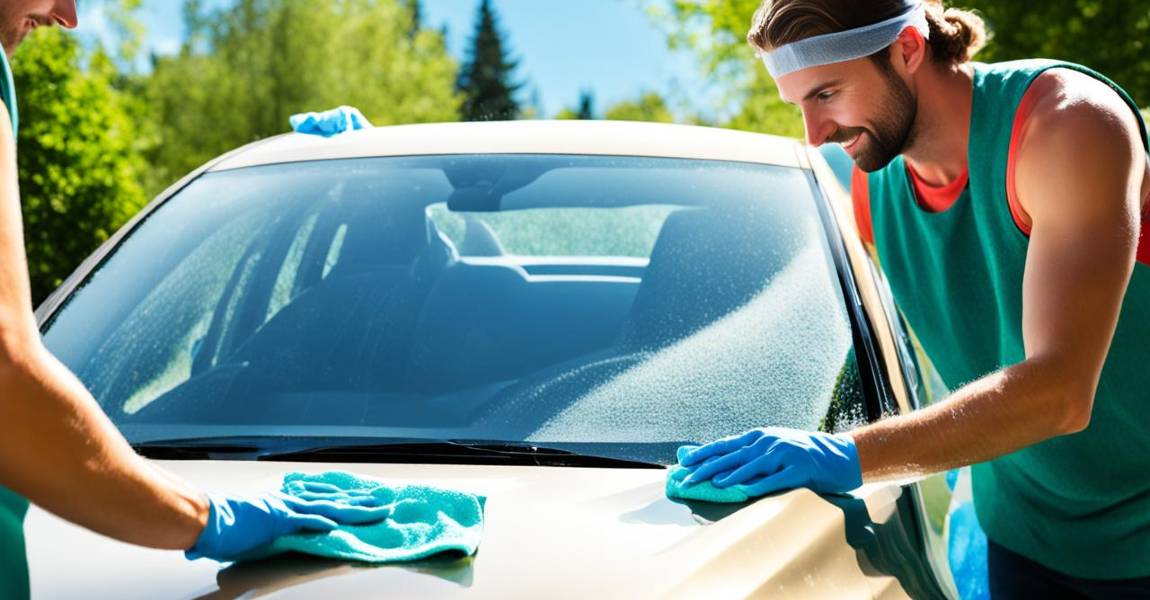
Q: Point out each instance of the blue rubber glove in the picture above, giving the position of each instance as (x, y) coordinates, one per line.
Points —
(238, 525)
(770, 459)
(330, 122)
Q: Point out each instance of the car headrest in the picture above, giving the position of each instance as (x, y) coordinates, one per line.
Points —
(706, 263)
(384, 229)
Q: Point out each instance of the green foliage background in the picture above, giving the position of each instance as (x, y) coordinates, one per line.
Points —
(100, 135)
(1110, 36)
(244, 70)
(80, 155)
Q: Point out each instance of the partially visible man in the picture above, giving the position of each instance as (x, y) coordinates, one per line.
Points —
(1008, 206)
(59, 450)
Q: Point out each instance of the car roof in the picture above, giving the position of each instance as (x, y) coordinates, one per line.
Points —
(609, 138)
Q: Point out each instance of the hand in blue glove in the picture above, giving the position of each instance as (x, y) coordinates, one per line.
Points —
(237, 525)
(330, 122)
(774, 458)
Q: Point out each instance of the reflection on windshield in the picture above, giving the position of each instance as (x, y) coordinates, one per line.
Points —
(724, 370)
(602, 300)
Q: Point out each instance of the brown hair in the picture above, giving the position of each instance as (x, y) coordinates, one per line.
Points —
(955, 35)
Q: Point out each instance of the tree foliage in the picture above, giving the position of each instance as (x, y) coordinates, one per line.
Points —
(1110, 36)
(716, 30)
(246, 68)
(583, 110)
(650, 107)
(79, 154)
(415, 9)
(487, 79)
(586, 105)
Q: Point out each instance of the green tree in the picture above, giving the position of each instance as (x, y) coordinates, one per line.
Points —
(716, 30)
(415, 9)
(586, 110)
(79, 158)
(649, 107)
(487, 77)
(533, 108)
(247, 67)
(1111, 36)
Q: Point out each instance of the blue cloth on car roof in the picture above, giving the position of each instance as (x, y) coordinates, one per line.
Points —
(424, 521)
(330, 122)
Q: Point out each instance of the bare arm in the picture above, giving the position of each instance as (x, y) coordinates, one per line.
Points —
(1079, 175)
(57, 448)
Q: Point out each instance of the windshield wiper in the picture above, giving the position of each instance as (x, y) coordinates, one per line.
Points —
(456, 452)
(196, 450)
(480, 452)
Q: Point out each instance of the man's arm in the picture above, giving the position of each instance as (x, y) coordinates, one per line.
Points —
(57, 448)
(1078, 176)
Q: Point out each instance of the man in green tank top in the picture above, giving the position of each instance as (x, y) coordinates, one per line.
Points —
(59, 450)
(1008, 206)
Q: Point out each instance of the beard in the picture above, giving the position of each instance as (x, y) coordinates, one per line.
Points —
(892, 130)
(14, 29)
(11, 34)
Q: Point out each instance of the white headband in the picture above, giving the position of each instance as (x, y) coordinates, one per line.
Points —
(845, 45)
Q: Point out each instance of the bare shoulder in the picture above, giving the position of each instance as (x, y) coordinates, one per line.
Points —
(1081, 140)
(1073, 110)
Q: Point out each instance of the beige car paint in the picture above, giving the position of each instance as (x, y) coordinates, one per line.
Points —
(550, 532)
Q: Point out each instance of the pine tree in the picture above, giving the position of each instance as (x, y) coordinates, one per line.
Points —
(486, 81)
(586, 106)
(415, 7)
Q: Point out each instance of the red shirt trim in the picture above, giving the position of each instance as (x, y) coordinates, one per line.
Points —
(1021, 219)
(937, 198)
(860, 198)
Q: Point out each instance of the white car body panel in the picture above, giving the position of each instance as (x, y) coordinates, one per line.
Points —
(606, 138)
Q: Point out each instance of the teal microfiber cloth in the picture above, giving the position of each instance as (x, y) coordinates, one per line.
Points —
(424, 521)
(705, 491)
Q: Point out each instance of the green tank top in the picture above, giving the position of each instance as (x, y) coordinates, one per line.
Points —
(13, 559)
(1079, 504)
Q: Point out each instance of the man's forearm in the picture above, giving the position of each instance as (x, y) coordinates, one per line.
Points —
(59, 450)
(1003, 412)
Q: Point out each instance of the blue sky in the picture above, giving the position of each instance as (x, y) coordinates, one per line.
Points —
(611, 47)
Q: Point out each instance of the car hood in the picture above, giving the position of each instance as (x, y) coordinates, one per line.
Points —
(548, 532)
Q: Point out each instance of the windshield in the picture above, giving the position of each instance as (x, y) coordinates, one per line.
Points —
(622, 304)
